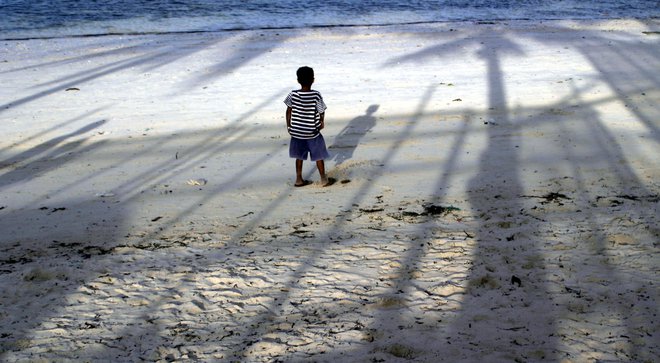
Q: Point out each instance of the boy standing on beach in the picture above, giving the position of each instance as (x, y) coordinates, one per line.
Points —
(305, 115)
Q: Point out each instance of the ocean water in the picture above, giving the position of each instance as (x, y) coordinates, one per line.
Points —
(23, 19)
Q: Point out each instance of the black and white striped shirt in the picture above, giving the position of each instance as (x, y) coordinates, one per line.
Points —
(306, 107)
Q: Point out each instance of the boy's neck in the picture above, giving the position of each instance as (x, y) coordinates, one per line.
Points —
(306, 88)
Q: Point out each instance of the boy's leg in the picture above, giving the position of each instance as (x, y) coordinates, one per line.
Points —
(321, 166)
(325, 181)
(299, 178)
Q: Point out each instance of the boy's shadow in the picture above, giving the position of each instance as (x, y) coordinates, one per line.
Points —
(348, 138)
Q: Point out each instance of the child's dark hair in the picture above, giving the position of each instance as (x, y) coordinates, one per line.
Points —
(305, 76)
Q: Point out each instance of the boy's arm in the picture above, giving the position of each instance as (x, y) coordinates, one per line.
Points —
(288, 117)
(322, 118)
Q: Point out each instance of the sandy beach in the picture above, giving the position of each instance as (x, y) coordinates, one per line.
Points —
(497, 196)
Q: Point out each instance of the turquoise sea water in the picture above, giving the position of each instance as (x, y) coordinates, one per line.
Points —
(20, 19)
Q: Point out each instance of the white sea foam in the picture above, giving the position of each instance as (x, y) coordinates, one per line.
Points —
(29, 19)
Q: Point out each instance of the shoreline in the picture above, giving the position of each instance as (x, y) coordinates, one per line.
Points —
(497, 196)
(505, 22)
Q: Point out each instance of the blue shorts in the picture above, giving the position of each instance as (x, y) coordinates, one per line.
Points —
(300, 148)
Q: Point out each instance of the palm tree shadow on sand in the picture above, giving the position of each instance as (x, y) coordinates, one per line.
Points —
(472, 336)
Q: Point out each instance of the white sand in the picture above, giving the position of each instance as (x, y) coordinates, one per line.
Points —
(543, 136)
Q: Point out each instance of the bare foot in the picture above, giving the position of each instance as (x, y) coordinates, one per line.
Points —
(303, 183)
(328, 182)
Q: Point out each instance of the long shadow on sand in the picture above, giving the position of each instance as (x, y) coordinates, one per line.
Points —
(494, 196)
(493, 193)
(51, 154)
